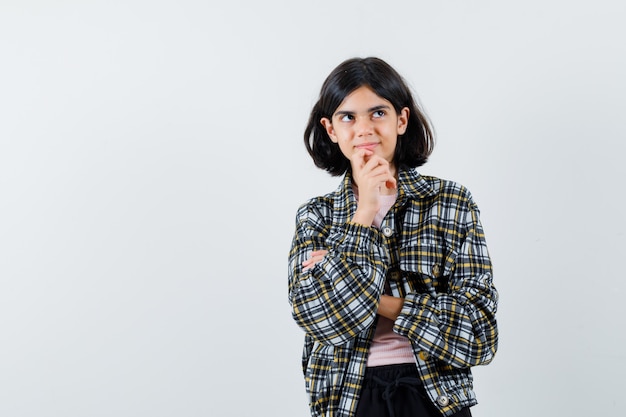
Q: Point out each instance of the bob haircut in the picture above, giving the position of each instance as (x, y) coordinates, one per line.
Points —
(413, 147)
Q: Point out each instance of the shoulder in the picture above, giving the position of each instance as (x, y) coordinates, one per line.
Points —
(320, 204)
(327, 205)
(451, 194)
(316, 209)
(443, 186)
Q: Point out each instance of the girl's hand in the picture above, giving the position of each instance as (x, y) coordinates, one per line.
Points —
(372, 175)
(316, 256)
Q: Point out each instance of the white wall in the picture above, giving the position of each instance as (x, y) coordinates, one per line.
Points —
(151, 163)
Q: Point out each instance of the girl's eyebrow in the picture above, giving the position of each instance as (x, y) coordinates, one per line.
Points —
(370, 110)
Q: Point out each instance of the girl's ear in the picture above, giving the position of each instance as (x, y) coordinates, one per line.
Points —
(325, 121)
(403, 120)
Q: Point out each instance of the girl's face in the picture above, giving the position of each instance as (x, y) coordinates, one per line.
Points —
(364, 120)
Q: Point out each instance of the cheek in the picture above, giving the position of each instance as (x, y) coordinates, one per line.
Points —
(343, 136)
(391, 132)
(345, 148)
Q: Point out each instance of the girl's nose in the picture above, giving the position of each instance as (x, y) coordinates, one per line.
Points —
(364, 126)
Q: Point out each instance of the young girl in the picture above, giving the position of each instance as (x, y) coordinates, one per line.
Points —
(389, 276)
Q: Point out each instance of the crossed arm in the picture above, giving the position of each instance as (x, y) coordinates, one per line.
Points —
(389, 306)
(336, 281)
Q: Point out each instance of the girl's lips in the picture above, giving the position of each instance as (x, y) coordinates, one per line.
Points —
(368, 146)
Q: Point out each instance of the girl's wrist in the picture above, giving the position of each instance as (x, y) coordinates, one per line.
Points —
(364, 216)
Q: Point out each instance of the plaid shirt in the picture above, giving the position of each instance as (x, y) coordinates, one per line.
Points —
(431, 249)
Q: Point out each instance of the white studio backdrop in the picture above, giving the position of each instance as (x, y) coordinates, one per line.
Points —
(151, 162)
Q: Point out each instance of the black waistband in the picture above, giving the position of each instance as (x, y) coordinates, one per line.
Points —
(390, 373)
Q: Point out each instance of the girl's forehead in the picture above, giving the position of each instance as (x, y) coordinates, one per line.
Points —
(362, 97)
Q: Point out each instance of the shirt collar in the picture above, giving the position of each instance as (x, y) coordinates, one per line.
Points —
(413, 185)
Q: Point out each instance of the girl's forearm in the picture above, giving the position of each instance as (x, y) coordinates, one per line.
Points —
(390, 307)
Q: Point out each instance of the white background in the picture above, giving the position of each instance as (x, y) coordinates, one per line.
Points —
(151, 163)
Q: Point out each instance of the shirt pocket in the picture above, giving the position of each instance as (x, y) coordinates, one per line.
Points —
(428, 264)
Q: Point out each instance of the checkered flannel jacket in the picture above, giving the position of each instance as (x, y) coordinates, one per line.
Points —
(445, 277)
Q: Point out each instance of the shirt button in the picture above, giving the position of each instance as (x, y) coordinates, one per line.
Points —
(387, 231)
(436, 270)
(423, 355)
(442, 400)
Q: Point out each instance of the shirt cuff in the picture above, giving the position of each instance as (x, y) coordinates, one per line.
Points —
(419, 320)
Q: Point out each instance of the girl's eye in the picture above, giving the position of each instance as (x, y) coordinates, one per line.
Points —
(347, 118)
(379, 113)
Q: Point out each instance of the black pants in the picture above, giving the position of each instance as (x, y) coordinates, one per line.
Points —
(397, 391)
